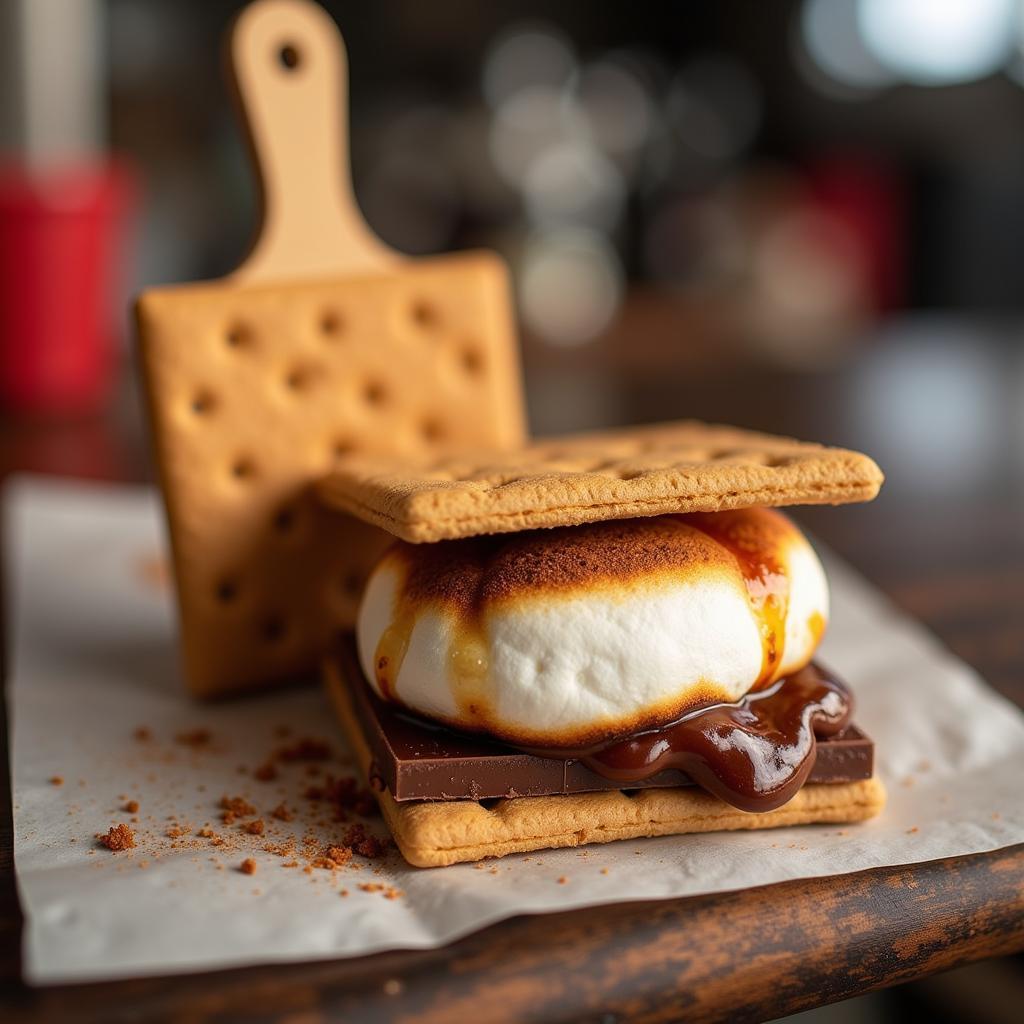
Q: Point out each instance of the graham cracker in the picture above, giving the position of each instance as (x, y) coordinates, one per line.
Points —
(255, 392)
(439, 833)
(584, 478)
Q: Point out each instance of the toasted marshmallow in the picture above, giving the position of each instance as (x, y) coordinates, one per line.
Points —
(566, 638)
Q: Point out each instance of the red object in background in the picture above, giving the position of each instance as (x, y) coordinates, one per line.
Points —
(61, 234)
(869, 199)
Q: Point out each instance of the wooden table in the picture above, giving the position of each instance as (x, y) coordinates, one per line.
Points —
(938, 404)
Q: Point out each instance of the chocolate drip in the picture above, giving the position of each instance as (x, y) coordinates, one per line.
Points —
(755, 754)
(420, 760)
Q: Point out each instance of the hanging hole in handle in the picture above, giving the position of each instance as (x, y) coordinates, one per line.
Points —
(289, 56)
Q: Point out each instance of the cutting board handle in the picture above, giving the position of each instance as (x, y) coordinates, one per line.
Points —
(290, 70)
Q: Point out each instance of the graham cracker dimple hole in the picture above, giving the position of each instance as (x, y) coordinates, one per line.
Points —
(243, 468)
(298, 378)
(472, 360)
(284, 520)
(203, 403)
(238, 336)
(375, 393)
(342, 446)
(273, 628)
(425, 315)
(330, 324)
(432, 430)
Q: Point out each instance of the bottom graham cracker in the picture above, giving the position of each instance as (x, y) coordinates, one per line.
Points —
(438, 833)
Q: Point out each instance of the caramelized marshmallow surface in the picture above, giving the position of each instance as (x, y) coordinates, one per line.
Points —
(570, 637)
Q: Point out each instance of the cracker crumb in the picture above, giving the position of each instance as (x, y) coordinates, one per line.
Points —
(282, 812)
(235, 807)
(562, 880)
(131, 807)
(344, 892)
(143, 734)
(248, 866)
(118, 838)
(254, 828)
(338, 854)
(56, 780)
(911, 831)
(177, 831)
(306, 749)
(362, 843)
(604, 871)
(266, 772)
(194, 738)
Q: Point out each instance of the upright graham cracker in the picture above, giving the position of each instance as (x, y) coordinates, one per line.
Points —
(584, 478)
(323, 343)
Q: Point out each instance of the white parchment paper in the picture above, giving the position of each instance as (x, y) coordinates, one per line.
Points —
(93, 658)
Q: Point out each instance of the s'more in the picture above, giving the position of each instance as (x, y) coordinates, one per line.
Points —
(604, 637)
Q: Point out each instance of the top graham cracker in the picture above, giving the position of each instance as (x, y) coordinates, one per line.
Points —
(585, 478)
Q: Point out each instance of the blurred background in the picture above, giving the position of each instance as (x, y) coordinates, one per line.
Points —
(804, 216)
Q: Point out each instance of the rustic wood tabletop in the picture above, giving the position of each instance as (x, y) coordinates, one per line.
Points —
(937, 402)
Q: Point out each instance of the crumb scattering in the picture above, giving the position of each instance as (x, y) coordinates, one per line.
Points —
(118, 838)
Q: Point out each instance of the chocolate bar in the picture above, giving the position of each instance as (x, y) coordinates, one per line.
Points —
(417, 760)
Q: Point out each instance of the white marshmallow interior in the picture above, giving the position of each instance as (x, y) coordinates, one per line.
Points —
(573, 662)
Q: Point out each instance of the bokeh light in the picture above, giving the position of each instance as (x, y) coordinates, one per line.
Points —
(571, 285)
(831, 36)
(524, 56)
(939, 42)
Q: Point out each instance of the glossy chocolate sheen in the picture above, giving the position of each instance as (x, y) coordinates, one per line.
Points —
(417, 760)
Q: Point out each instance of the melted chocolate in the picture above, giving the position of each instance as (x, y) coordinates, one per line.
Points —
(755, 754)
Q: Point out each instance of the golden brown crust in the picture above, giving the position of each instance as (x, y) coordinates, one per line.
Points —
(648, 471)
(435, 834)
(255, 392)
(482, 572)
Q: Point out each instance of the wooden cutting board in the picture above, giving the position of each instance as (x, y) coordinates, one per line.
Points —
(323, 343)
